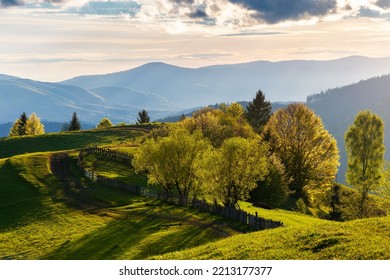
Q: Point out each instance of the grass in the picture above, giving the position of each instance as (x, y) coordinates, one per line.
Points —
(357, 240)
(12, 146)
(43, 219)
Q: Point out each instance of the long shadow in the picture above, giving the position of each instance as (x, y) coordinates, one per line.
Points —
(128, 237)
(20, 202)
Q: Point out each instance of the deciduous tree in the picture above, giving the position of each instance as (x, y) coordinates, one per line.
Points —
(171, 161)
(306, 149)
(365, 150)
(230, 172)
(34, 125)
(105, 122)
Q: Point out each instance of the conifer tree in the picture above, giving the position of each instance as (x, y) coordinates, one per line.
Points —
(74, 123)
(19, 126)
(143, 117)
(258, 111)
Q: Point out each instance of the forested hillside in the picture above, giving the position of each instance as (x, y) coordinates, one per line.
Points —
(338, 107)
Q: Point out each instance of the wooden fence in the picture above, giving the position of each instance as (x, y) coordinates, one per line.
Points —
(252, 221)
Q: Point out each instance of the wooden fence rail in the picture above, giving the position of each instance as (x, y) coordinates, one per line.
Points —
(252, 221)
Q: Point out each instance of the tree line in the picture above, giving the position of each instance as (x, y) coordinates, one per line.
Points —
(32, 125)
(230, 154)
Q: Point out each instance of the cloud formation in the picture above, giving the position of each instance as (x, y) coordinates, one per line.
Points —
(274, 11)
(384, 4)
(10, 3)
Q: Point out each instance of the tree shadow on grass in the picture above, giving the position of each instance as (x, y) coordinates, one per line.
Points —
(137, 234)
(20, 202)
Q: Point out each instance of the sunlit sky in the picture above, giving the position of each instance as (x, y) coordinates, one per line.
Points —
(52, 40)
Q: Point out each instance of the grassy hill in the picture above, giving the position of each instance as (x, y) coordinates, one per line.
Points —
(47, 214)
(362, 239)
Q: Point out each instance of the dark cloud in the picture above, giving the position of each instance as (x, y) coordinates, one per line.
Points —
(385, 4)
(10, 3)
(274, 11)
(366, 12)
(198, 14)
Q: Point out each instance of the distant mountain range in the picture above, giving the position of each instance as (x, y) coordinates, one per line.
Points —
(165, 90)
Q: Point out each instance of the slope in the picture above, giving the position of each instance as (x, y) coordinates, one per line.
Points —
(338, 108)
(365, 239)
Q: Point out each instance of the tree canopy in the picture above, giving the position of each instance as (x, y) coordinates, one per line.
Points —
(219, 124)
(105, 122)
(306, 149)
(230, 172)
(365, 150)
(34, 125)
(171, 161)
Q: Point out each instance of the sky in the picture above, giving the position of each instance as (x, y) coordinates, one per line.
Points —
(53, 40)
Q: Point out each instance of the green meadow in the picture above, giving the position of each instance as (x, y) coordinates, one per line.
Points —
(46, 216)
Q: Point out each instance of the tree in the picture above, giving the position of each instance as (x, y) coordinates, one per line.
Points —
(231, 172)
(307, 151)
(365, 150)
(74, 123)
(171, 162)
(34, 125)
(143, 117)
(105, 122)
(258, 111)
(272, 191)
(218, 125)
(19, 126)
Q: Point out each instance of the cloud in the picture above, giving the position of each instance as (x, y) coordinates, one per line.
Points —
(107, 8)
(274, 11)
(10, 3)
(384, 4)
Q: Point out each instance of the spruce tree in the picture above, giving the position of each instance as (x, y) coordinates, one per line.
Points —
(258, 111)
(22, 125)
(143, 117)
(74, 123)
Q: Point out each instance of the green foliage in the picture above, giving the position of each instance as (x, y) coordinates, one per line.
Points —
(74, 124)
(218, 125)
(365, 150)
(231, 172)
(301, 206)
(143, 117)
(171, 161)
(258, 111)
(104, 123)
(306, 149)
(101, 223)
(273, 190)
(19, 126)
(34, 125)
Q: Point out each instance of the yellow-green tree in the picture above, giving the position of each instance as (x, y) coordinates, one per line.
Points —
(105, 122)
(306, 149)
(171, 162)
(34, 125)
(365, 150)
(220, 124)
(230, 172)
